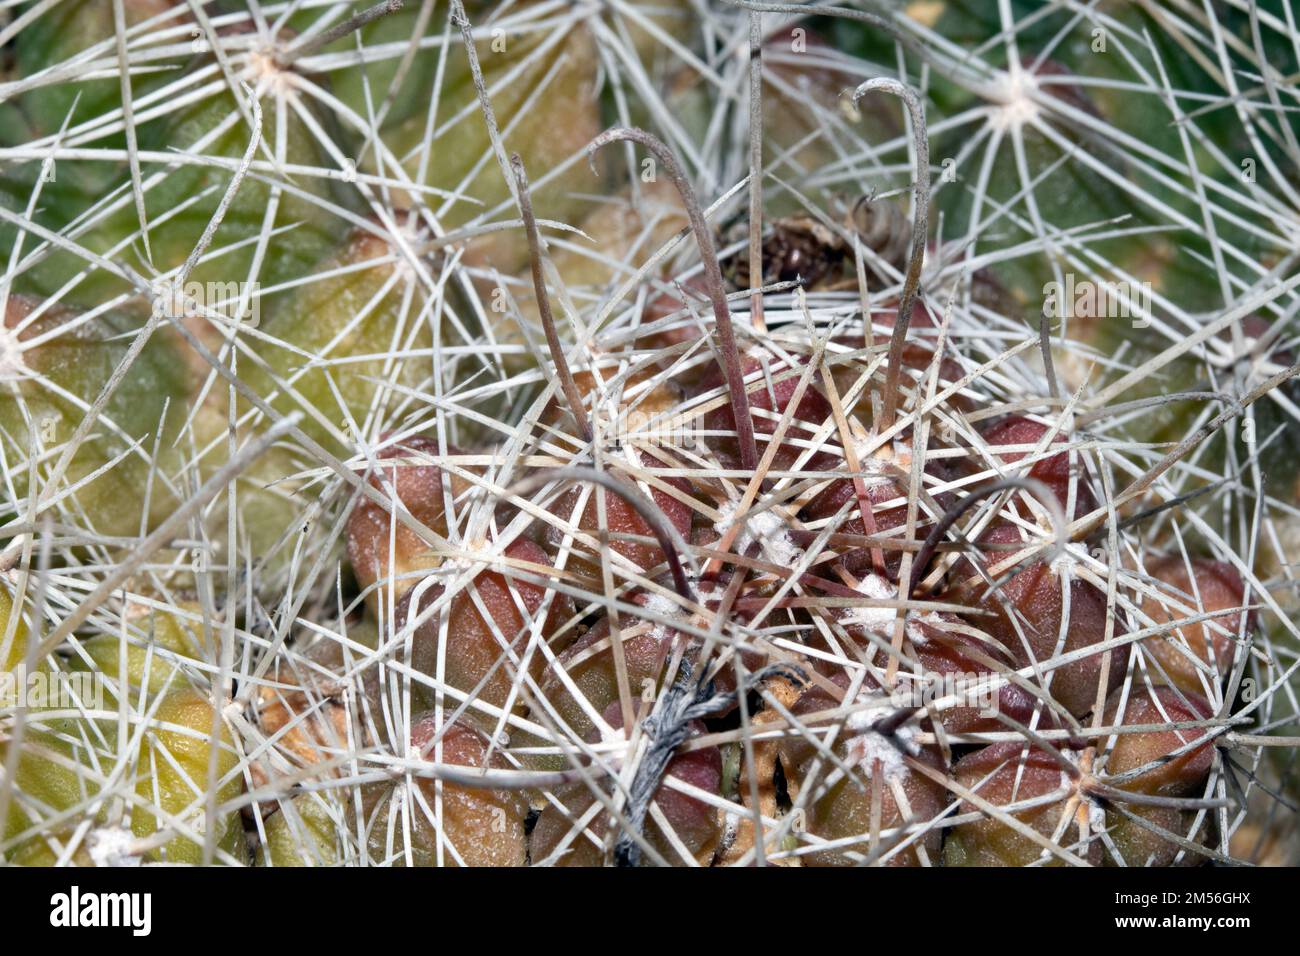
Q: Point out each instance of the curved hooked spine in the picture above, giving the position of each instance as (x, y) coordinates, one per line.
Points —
(756, 170)
(669, 540)
(569, 386)
(712, 275)
(920, 220)
(1031, 485)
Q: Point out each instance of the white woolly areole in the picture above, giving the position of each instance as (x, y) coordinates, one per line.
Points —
(662, 606)
(768, 526)
(453, 567)
(111, 846)
(1063, 564)
(879, 466)
(12, 365)
(169, 299)
(868, 747)
(263, 68)
(1096, 817)
(916, 633)
(878, 619)
(1016, 105)
(730, 827)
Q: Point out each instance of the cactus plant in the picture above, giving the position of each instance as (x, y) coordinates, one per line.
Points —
(871, 451)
